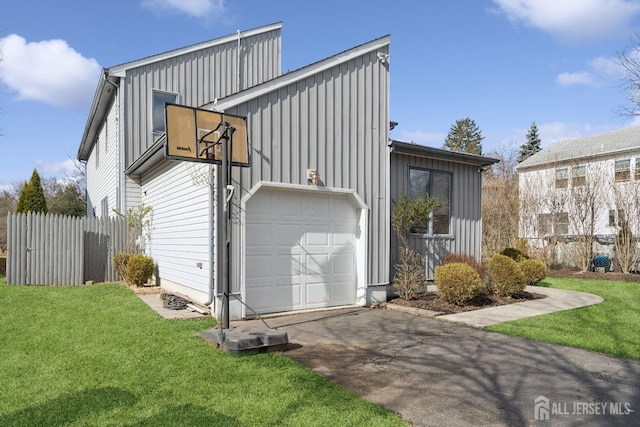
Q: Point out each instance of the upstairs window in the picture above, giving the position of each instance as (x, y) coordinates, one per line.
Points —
(578, 178)
(622, 170)
(562, 178)
(438, 185)
(616, 217)
(158, 103)
(637, 168)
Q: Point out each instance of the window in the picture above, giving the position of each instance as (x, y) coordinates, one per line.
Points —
(159, 100)
(104, 207)
(562, 178)
(622, 170)
(578, 178)
(550, 224)
(97, 152)
(637, 168)
(434, 184)
(614, 219)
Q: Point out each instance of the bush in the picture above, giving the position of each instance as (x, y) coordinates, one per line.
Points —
(457, 282)
(410, 276)
(467, 259)
(120, 261)
(514, 254)
(505, 277)
(533, 269)
(139, 269)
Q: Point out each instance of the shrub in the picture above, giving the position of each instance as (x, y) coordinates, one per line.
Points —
(505, 277)
(533, 269)
(410, 276)
(457, 282)
(120, 260)
(139, 269)
(514, 254)
(467, 259)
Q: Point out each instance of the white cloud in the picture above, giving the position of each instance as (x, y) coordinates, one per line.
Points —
(601, 71)
(195, 8)
(49, 71)
(434, 139)
(57, 169)
(573, 20)
(579, 78)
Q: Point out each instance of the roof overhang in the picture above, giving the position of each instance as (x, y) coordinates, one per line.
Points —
(149, 159)
(105, 93)
(411, 149)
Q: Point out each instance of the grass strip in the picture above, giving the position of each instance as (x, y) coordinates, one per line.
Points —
(610, 327)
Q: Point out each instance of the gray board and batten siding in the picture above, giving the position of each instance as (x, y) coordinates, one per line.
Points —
(332, 116)
(190, 76)
(465, 234)
(62, 250)
(199, 74)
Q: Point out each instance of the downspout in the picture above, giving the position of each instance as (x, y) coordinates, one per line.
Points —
(119, 171)
(212, 237)
(238, 85)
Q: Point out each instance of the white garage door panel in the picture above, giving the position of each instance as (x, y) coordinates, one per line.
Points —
(299, 250)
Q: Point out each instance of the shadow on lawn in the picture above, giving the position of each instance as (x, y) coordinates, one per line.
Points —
(188, 415)
(70, 407)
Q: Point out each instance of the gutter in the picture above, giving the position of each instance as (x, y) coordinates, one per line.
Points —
(105, 92)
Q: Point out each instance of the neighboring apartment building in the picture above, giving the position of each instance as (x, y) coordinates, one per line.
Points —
(579, 187)
(299, 241)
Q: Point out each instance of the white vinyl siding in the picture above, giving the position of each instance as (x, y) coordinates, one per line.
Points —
(102, 177)
(180, 229)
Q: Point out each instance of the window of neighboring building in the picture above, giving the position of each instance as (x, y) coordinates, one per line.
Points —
(106, 134)
(562, 178)
(553, 225)
(159, 101)
(622, 170)
(434, 184)
(616, 217)
(578, 178)
(637, 168)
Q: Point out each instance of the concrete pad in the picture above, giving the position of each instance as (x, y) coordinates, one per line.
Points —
(154, 301)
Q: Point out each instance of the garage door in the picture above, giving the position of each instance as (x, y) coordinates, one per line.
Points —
(299, 250)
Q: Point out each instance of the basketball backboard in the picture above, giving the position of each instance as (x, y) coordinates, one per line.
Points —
(195, 135)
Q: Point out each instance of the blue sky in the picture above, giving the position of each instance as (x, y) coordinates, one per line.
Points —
(503, 63)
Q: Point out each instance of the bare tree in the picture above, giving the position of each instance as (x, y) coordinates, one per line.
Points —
(500, 203)
(626, 217)
(585, 205)
(629, 60)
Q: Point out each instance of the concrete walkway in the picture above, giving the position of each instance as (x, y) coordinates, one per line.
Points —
(556, 300)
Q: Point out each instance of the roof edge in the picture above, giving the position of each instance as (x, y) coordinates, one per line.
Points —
(120, 70)
(297, 75)
(413, 149)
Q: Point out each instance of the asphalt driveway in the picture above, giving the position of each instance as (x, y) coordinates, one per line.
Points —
(435, 373)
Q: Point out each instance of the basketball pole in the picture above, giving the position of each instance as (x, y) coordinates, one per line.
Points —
(226, 276)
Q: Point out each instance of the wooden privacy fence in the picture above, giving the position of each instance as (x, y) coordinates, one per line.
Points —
(62, 250)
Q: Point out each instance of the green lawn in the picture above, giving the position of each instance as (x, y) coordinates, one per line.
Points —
(97, 355)
(611, 327)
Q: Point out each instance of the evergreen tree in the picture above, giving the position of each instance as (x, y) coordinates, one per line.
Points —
(464, 136)
(32, 196)
(532, 146)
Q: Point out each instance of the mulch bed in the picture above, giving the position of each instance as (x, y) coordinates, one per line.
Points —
(431, 301)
